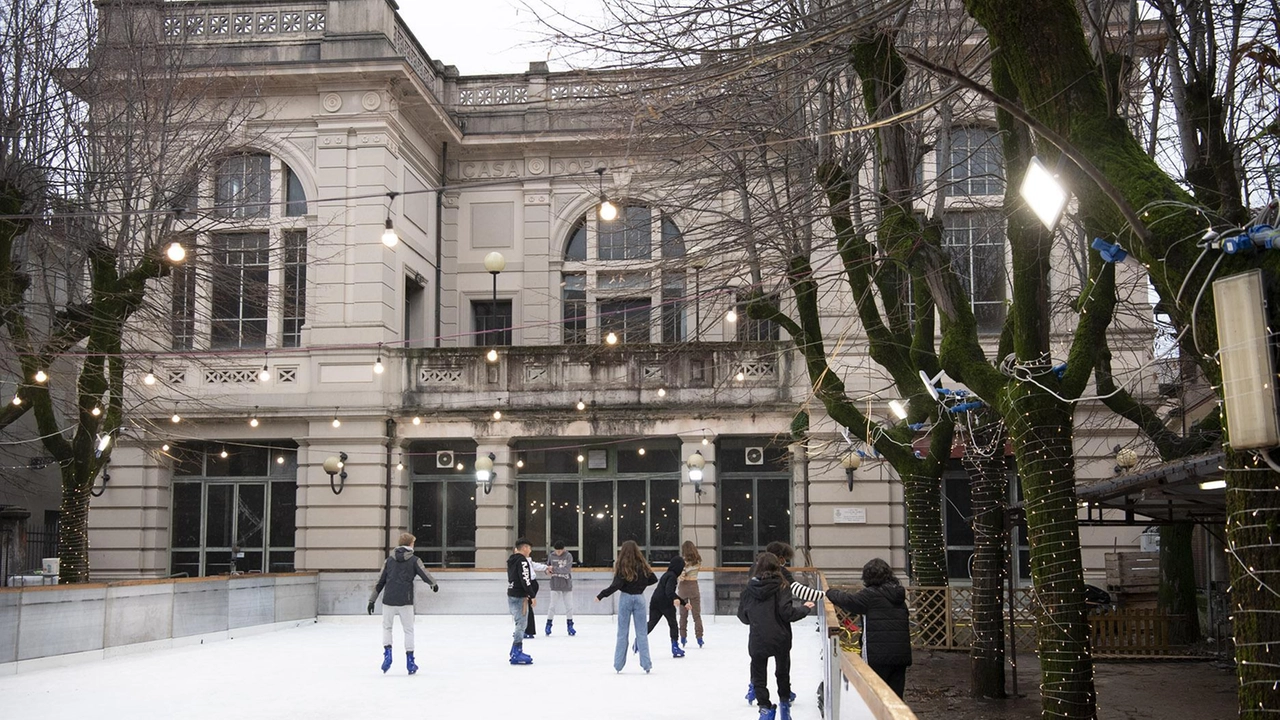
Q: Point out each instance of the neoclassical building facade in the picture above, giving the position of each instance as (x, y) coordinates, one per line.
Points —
(586, 367)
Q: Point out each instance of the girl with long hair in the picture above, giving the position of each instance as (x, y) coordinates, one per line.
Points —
(631, 575)
(767, 607)
(688, 589)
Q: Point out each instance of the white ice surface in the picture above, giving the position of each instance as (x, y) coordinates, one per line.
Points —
(331, 670)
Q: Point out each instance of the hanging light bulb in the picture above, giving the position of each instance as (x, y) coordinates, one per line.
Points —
(378, 368)
(520, 463)
(491, 356)
(582, 405)
(731, 316)
(705, 441)
(279, 459)
(400, 465)
(581, 458)
(611, 338)
(264, 375)
(608, 211)
(149, 379)
(740, 376)
(41, 376)
(253, 422)
(176, 418)
(223, 454)
(175, 252)
(96, 411)
(640, 451)
(497, 414)
(17, 400)
(164, 447)
(337, 423)
(389, 236)
(417, 420)
(662, 392)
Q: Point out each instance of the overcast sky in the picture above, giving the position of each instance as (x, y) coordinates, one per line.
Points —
(487, 36)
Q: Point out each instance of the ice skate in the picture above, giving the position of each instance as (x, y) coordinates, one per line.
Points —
(409, 663)
(684, 640)
(676, 652)
(569, 624)
(768, 713)
(386, 658)
(751, 694)
(784, 711)
(699, 642)
(518, 657)
(547, 629)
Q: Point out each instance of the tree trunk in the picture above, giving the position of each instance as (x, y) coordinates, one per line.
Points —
(1040, 427)
(1253, 518)
(988, 485)
(1178, 583)
(73, 527)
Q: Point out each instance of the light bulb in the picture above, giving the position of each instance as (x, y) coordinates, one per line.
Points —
(279, 459)
(337, 422)
(399, 466)
(96, 411)
(608, 211)
(175, 252)
(417, 420)
(253, 422)
(264, 375)
(389, 236)
(164, 447)
(41, 376)
(611, 338)
(580, 458)
(378, 367)
(223, 454)
(497, 414)
(582, 405)
(731, 316)
(492, 355)
(460, 466)
(662, 392)
(17, 400)
(176, 418)
(740, 376)
(149, 379)
(520, 463)
(640, 451)
(705, 441)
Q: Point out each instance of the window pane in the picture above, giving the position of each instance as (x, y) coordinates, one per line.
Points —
(664, 513)
(242, 186)
(672, 240)
(654, 460)
(548, 462)
(564, 512)
(218, 514)
(627, 237)
(753, 330)
(628, 318)
(576, 248)
(186, 515)
(673, 308)
(240, 286)
(975, 242)
(187, 563)
(294, 291)
(976, 163)
(597, 524)
(295, 198)
(183, 306)
(632, 519)
(533, 513)
(492, 323)
(280, 561)
(574, 301)
(284, 514)
(251, 518)
(460, 528)
(737, 521)
(958, 511)
(428, 513)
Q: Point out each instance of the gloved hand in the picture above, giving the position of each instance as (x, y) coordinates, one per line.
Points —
(435, 588)
(370, 607)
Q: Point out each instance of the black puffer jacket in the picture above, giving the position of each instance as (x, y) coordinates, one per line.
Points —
(397, 578)
(886, 629)
(665, 593)
(766, 605)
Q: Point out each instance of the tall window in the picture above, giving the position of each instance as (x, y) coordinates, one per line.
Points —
(183, 306)
(295, 287)
(235, 513)
(616, 272)
(975, 242)
(976, 166)
(628, 492)
(295, 198)
(241, 264)
(754, 488)
(443, 504)
(242, 186)
(492, 322)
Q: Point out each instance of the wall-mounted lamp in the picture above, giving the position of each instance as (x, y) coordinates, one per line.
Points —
(106, 478)
(850, 461)
(696, 463)
(1126, 459)
(336, 465)
(484, 472)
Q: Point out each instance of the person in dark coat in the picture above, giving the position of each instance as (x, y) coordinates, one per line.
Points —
(395, 584)
(766, 605)
(664, 601)
(886, 627)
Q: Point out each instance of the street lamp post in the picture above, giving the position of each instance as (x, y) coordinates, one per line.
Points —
(495, 263)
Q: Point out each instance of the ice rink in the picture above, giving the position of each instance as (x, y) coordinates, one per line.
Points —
(331, 670)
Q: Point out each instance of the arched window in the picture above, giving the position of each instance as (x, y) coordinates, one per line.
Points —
(617, 278)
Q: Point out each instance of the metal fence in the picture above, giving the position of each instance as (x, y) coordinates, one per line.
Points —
(25, 549)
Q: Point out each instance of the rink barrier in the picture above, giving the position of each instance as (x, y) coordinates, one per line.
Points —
(57, 625)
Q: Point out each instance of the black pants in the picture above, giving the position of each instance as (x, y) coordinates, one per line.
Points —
(895, 676)
(531, 628)
(760, 677)
(663, 610)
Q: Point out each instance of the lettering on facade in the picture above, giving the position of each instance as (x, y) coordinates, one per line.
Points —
(489, 169)
(574, 166)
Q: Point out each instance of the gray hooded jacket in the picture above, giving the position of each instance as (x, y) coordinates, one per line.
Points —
(397, 577)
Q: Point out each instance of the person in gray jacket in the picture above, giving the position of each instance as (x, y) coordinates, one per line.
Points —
(396, 585)
(560, 568)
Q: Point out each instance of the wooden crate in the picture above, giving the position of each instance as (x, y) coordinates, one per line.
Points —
(1133, 573)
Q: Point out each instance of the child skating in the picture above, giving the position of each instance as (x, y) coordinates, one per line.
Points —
(766, 605)
(396, 584)
(560, 569)
(664, 602)
(631, 575)
(687, 588)
(522, 592)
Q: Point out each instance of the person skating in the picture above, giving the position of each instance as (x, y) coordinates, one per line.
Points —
(687, 588)
(522, 591)
(664, 601)
(631, 575)
(886, 627)
(766, 605)
(785, 554)
(396, 585)
(560, 569)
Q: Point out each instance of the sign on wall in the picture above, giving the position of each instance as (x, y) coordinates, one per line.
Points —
(850, 515)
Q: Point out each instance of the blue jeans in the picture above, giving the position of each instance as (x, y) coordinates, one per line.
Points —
(520, 616)
(631, 610)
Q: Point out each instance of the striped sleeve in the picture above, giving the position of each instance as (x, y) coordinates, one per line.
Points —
(806, 593)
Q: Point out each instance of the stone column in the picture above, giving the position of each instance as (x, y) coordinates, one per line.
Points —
(496, 511)
(699, 513)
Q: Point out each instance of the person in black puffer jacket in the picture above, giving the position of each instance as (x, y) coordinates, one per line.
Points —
(664, 601)
(886, 628)
(766, 605)
(395, 584)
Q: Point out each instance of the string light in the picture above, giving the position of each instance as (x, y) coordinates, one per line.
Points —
(491, 356)
(378, 368)
(175, 252)
(149, 378)
(175, 418)
(41, 376)
(264, 375)
(336, 422)
(611, 338)
(17, 400)
(253, 419)
(662, 392)
(497, 414)
(731, 316)
(582, 405)
(417, 420)
(96, 411)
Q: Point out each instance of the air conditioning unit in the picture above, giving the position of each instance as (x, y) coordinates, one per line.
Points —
(444, 458)
(754, 456)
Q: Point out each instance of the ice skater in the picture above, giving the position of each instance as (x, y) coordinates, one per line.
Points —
(396, 585)
(688, 589)
(522, 591)
(560, 569)
(766, 605)
(631, 575)
(664, 601)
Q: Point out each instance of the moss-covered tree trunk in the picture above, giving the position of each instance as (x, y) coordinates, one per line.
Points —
(1253, 533)
(1178, 583)
(988, 485)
